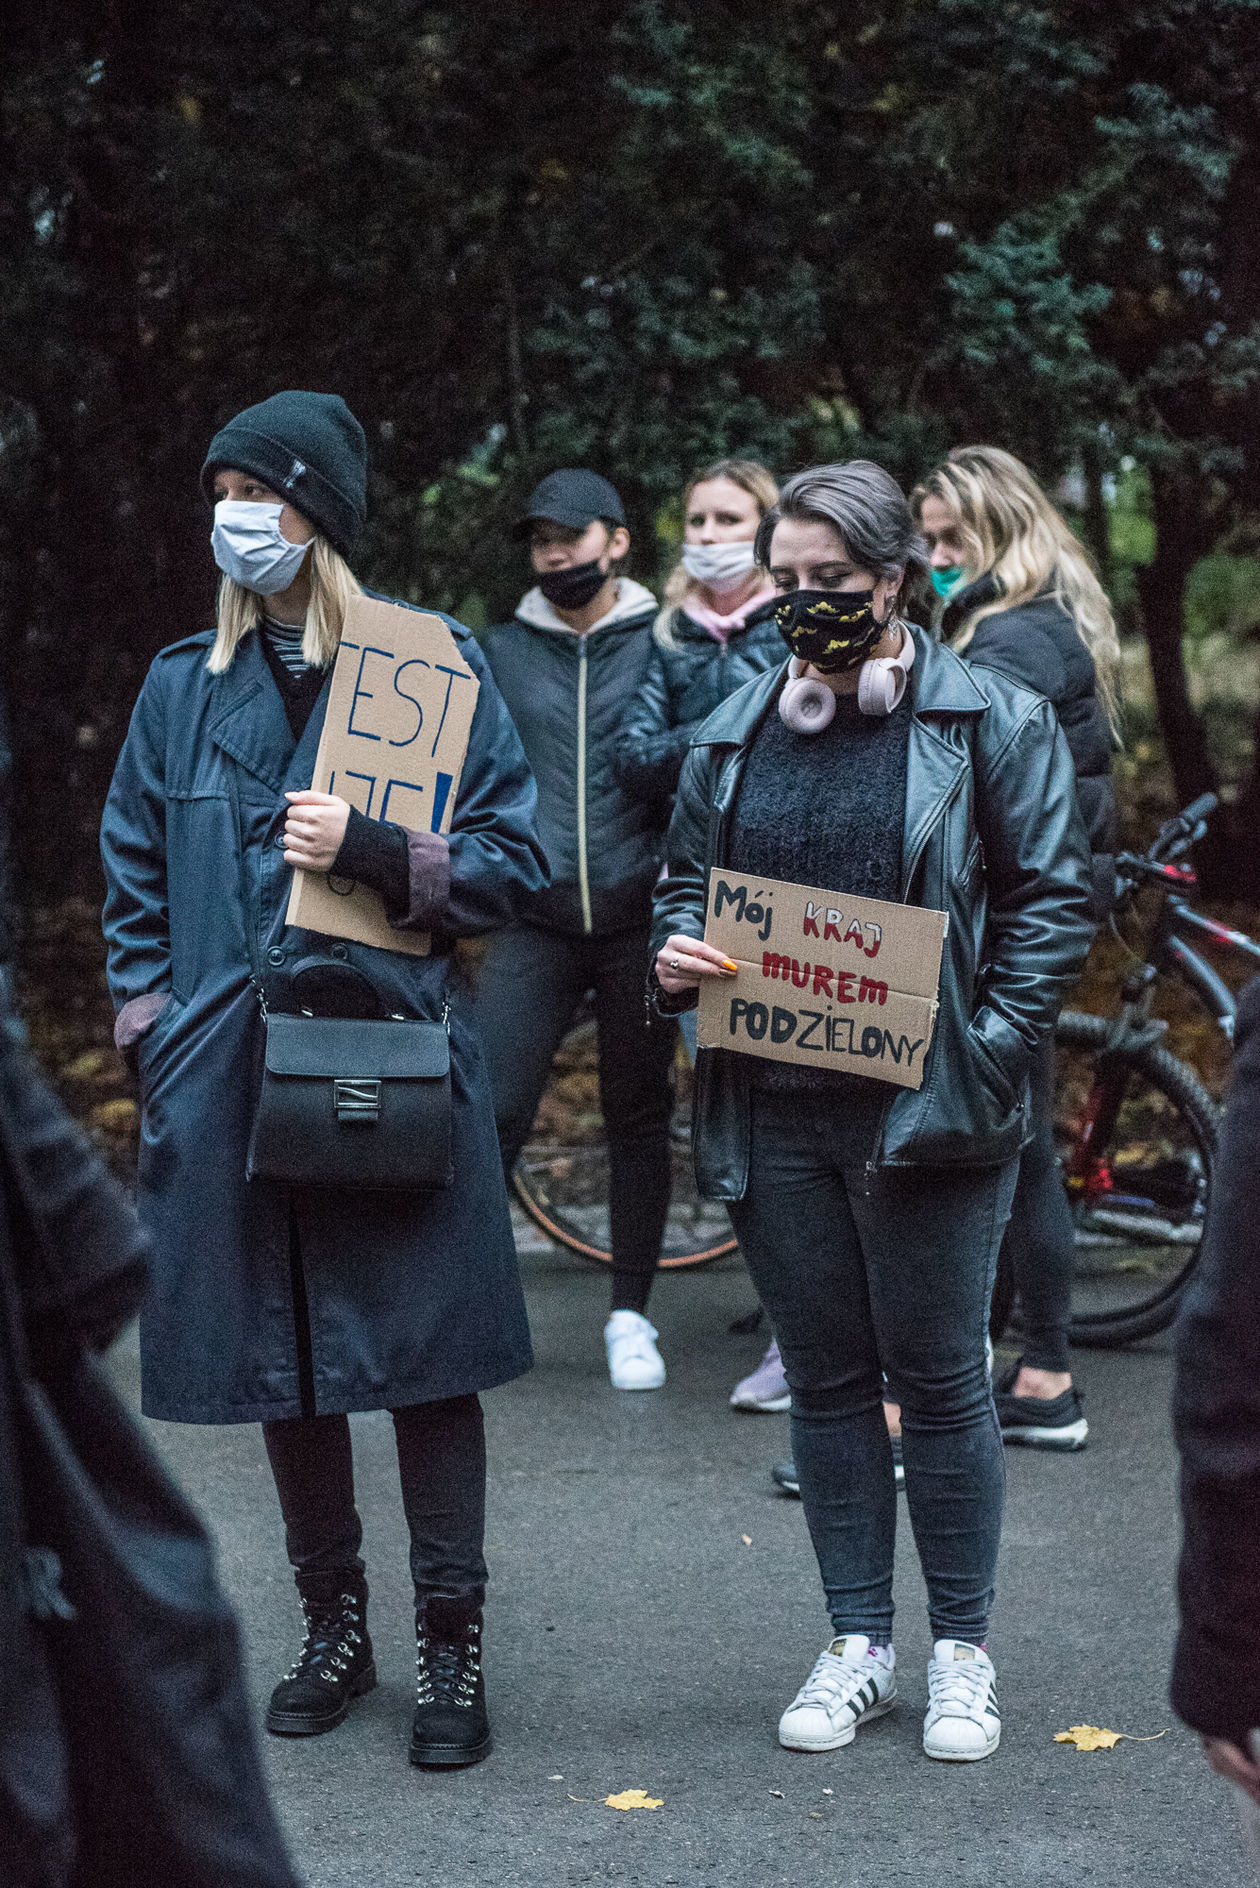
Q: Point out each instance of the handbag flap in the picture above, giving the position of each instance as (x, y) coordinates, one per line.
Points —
(348, 1049)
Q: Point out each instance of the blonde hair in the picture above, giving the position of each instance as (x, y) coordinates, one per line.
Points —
(751, 477)
(1010, 529)
(333, 583)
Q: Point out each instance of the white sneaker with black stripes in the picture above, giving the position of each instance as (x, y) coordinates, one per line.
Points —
(963, 1723)
(851, 1682)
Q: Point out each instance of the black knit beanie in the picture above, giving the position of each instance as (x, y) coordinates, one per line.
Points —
(311, 451)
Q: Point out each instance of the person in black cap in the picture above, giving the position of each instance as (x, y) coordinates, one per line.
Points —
(282, 1304)
(569, 665)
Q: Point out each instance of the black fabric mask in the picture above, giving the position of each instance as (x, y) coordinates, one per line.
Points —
(573, 587)
(829, 629)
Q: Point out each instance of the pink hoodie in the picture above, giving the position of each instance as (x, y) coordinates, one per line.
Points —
(720, 627)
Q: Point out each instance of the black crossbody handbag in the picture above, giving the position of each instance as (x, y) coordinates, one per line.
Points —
(347, 1102)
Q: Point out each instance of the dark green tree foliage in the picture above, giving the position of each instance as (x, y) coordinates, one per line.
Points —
(635, 234)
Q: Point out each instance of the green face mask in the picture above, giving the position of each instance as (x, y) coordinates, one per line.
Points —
(946, 581)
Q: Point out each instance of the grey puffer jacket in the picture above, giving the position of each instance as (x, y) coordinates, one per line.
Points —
(567, 694)
(993, 836)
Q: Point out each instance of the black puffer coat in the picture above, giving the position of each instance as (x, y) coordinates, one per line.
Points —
(690, 675)
(568, 694)
(1038, 644)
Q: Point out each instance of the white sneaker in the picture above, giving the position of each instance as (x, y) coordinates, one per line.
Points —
(848, 1685)
(963, 1723)
(634, 1363)
(765, 1388)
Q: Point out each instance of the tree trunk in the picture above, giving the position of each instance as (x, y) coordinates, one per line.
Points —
(1183, 534)
(1187, 524)
(1096, 521)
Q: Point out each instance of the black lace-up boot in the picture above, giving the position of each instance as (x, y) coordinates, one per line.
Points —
(335, 1663)
(450, 1726)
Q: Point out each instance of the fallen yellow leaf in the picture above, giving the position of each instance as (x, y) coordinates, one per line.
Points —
(634, 1799)
(1090, 1737)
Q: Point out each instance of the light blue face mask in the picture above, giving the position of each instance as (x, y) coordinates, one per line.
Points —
(945, 582)
(250, 547)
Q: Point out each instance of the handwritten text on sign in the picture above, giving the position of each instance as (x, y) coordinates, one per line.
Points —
(399, 713)
(824, 980)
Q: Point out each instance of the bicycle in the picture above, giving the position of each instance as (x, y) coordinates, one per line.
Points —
(564, 1188)
(1136, 1128)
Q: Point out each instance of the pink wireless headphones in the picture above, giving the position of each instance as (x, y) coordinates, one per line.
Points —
(807, 705)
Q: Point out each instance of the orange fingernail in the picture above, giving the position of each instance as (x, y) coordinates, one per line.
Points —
(727, 964)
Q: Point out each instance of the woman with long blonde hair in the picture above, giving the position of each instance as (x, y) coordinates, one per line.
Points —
(1019, 595)
(272, 1300)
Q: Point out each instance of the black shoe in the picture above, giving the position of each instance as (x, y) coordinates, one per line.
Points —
(335, 1663)
(450, 1726)
(784, 1474)
(1037, 1422)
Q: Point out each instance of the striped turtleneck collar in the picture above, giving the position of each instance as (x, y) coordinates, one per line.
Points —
(286, 640)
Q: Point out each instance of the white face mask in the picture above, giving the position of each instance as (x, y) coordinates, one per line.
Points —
(250, 548)
(719, 566)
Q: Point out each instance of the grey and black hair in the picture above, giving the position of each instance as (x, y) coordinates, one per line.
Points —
(863, 504)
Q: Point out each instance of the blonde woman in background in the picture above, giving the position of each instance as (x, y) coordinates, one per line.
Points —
(1019, 595)
(715, 633)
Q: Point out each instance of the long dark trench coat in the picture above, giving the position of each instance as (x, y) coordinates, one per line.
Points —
(409, 1297)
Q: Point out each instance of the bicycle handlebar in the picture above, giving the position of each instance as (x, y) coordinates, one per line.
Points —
(1174, 838)
(1178, 834)
(1199, 809)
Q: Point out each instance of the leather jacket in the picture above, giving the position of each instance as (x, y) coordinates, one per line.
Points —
(993, 837)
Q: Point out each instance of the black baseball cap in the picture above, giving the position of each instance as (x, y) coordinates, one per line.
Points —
(572, 498)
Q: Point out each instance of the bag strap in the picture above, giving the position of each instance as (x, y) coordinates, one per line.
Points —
(252, 919)
(249, 917)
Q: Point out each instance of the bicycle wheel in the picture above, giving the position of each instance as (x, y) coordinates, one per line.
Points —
(1136, 1132)
(561, 1178)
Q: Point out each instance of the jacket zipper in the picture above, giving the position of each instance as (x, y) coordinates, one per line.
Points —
(584, 882)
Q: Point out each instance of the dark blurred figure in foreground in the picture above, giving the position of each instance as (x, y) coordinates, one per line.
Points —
(126, 1745)
(1216, 1411)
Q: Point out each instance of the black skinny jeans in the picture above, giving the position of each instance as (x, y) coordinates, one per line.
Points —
(865, 1272)
(1039, 1239)
(442, 1469)
(529, 990)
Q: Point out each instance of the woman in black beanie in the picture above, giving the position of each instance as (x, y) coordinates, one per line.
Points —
(275, 1304)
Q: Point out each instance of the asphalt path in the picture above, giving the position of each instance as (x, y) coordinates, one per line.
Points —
(654, 1606)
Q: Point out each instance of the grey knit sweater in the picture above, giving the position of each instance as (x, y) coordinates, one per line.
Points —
(825, 809)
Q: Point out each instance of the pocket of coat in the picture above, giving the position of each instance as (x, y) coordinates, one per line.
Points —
(1006, 1088)
(157, 1033)
(972, 874)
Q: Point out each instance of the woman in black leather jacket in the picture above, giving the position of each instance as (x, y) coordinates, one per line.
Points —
(1020, 597)
(879, 766)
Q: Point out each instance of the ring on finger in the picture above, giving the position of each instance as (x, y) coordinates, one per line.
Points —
(675, 963)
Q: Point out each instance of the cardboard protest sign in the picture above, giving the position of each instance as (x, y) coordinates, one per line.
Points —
(399, 714)
(824, 980)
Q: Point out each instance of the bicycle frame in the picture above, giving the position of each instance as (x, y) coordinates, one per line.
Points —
(1167, 952)
(1173, 953)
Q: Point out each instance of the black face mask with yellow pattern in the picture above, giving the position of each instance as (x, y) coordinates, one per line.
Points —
(829, 629)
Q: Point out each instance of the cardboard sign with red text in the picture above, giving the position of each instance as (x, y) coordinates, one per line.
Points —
(824, 980)
(400, 710)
